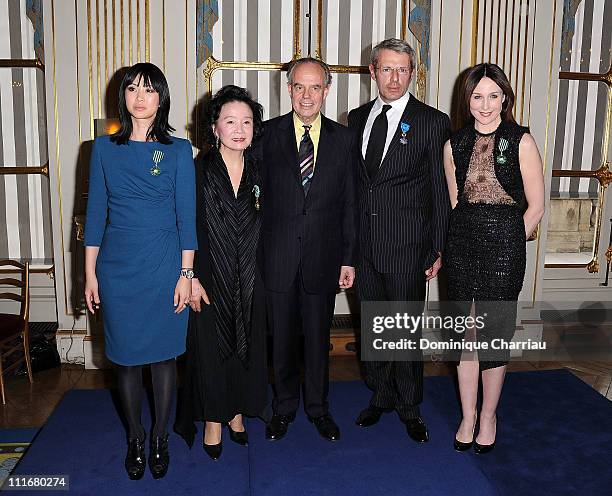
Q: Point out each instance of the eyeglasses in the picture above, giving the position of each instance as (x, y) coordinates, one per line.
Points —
(402, 71)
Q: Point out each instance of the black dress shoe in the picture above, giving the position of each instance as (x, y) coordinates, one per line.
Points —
(158, 456)
(370, 416)
(213, 450)
(278, 425)
(326, 426)
(135, 460)
(241, 438)
(417, 430)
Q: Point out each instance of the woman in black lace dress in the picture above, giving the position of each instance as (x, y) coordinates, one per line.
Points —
(226, 362)
(495, 181)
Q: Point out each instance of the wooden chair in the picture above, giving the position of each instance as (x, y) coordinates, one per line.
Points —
(14, 329)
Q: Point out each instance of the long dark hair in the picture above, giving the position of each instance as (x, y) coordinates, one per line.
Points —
(151, 76)
(227, 94)
(472, 78)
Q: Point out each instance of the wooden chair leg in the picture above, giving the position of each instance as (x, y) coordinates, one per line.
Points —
(26, 350)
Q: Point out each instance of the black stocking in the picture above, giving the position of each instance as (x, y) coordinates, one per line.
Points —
(163, 376)
(130, 391)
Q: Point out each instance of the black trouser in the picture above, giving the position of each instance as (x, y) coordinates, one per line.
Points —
(289, 313)
(395, 384)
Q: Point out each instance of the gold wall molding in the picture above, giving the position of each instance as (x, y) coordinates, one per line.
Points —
(213, 65)
(43, 169)
(603, 174)
(21, 63)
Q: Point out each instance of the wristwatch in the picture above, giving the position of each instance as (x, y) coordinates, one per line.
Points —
(187, 273)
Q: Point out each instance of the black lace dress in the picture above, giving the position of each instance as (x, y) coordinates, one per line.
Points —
(485, 252)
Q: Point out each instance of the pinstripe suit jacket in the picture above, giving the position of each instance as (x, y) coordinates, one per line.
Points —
(404, 211)
(317, 231)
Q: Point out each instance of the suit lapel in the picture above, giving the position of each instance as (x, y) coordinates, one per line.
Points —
(324, 150)
(288, 145)
(362, 124)
(410, 111)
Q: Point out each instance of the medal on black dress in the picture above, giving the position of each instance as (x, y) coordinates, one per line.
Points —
(158, 156)
(502, 147)
(256, 193)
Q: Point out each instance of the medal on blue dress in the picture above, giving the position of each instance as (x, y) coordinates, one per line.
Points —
(502, 147)
(405, 127)
(158, 156)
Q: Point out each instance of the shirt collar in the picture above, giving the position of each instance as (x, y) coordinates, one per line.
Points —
(315, 126)
(399, 104)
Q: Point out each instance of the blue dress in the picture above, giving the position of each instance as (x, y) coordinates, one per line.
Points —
(141, 219)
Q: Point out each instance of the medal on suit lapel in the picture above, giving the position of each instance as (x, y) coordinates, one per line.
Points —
(405, 127)
(503, 146)
(158, 156)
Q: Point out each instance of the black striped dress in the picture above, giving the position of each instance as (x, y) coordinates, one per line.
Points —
(226, 360)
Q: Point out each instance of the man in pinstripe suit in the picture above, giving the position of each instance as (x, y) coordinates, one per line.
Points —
(404, 209)
(308, 242)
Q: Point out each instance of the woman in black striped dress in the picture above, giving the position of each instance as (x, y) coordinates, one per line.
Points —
(226, 362)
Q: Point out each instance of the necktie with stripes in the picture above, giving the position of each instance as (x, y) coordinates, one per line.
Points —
(306, 159)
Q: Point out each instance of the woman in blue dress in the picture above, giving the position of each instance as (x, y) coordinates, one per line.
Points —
(140, 240)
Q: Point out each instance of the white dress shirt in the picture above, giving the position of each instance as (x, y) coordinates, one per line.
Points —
(394, 115)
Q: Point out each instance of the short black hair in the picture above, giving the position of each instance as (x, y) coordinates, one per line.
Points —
(227, 94)
(152, 76)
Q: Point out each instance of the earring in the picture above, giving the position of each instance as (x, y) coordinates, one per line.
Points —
(218, 142)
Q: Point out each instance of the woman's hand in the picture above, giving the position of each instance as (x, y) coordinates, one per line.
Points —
(92, 299)
(182, 294)
(198, 293)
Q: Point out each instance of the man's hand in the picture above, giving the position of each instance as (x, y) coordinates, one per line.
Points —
(347, 277)
(433, 270)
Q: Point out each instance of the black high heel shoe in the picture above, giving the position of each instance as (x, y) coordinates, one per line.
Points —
(135, 460)
(481, 449)
(241, 438)
(159, 458)
(213, 450)
(461, 446)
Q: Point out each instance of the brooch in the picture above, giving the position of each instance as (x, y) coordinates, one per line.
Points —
(502, 147)
(257, 193)
(158, 155)
(405, 127)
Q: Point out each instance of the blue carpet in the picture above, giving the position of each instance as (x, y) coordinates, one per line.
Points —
(17, 435)
(554, 438)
